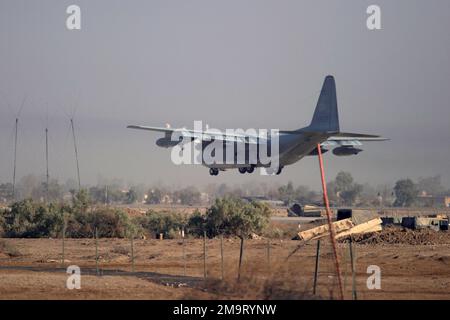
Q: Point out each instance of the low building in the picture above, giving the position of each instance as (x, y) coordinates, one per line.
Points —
(263, 199)
(428, 200)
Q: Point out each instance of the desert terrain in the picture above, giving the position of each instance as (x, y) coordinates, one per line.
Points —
(414, 265)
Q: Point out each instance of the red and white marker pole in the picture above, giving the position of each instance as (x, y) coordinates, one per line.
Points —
(330, 223)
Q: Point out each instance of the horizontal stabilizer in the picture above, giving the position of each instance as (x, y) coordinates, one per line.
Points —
(356, 136)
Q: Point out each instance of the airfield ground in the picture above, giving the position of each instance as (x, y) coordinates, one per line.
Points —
(31, 269)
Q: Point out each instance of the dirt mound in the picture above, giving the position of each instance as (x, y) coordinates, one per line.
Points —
(400, 235)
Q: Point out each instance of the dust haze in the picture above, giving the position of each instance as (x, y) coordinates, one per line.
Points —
(231, 64)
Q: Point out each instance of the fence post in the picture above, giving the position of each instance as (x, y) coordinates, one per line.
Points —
(184, 254)
(132, 254)
(96, 251)
(345, 269)
(352, 257)
(241, 253)
(63, 243)
(204, 254)
(316, 271)
(221, 256)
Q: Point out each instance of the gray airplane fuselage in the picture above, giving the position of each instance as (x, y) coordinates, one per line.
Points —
(292, 147)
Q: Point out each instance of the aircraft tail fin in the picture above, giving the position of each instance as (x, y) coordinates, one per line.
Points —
(326, 113)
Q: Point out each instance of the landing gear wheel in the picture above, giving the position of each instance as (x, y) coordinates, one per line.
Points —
(251, 169)
(242, 170)
(213, 171)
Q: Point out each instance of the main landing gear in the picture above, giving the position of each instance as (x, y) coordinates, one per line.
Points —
(246, 169)
(213, 171)
(242, 170)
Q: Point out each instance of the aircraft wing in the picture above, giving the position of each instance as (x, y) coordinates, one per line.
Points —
(350, 139)
(157, 129)
(356, 136)
(201, 135)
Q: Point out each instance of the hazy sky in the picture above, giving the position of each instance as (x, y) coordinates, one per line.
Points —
(231, 64)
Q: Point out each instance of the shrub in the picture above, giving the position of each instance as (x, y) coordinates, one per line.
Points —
(33, 220)
(121, 250)
(196, 224)
(233, 216)
(167, 223)
(228, 216)
(110, 223)
(2, 223)
(27, 219)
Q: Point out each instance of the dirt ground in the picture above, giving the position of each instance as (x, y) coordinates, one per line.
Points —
(32, 269)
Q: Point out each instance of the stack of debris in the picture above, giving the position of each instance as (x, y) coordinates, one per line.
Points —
(401, 235)
(357, 223)
(435, 222)
(296, 210)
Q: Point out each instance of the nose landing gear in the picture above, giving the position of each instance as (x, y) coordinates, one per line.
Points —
(213, 171)
(246, 169)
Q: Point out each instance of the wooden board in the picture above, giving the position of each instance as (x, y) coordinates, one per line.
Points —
(369, 226)
(323, 230)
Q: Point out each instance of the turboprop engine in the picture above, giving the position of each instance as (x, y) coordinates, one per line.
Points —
(346, 151)
(166, 142)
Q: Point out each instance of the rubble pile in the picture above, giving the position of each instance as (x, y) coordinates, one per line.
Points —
(401, 235)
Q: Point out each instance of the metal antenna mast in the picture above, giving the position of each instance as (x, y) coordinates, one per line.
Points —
(46, 159)
(15, 159)
(76, 153)
(15, 148)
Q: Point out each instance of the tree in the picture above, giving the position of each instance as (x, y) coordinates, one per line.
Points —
(368, 196)
(344, 181)
(188, 196)
(70, 184)
(26, 185)
(222, 190)
(405, 193)
(97, 194)
(287, 193)
(81, 201)
(139, 191)
(54, 191)
(386, 193)
(304, 195)
(131, 196)
(154, 196)
(343, 189)
(115, 194)
(332, 192)
(6, 192)
(431, 185)
(350, 195)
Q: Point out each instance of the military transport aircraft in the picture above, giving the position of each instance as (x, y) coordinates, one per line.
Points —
(292, 145)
